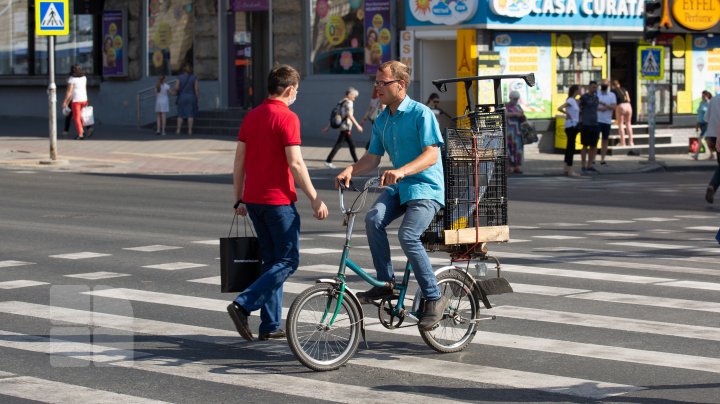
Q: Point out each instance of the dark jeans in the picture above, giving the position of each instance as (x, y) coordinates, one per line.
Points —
(344, 135)
(278, 231)
(68, 121)
(571, 134)
(715, 180)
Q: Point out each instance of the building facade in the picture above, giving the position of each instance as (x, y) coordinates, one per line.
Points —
(124, 45)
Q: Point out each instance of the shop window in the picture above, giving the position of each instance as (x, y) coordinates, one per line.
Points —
(337, 36)
(24, 53)
(580, 66)
(169, 36)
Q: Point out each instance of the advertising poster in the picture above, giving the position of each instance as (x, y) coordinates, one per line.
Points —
(169, 36)
(527, 53)
(488, 65)
(705, 67)
(378, 35)
(114, 51)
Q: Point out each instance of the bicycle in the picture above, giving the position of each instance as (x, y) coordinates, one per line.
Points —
(325, 322)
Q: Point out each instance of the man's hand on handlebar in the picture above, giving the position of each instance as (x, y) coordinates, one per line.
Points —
(391, 177)
(344, 178)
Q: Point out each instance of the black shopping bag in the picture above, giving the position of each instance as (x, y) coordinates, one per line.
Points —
(240, 261)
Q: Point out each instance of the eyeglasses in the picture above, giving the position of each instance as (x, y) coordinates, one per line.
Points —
(379, 83)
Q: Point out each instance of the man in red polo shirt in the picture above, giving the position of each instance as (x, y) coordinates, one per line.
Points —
(268, 163)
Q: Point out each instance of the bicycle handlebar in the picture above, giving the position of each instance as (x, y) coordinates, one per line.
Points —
(373, 182)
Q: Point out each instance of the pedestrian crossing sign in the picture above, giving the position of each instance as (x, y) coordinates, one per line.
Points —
(651, 61)
(52, 17)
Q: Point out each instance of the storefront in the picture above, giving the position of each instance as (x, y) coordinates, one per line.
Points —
(566, 42)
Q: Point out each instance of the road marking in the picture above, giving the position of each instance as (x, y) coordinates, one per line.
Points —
(612, 234)
(417, 365)
(224, 373)
(20, 284)
(315, 251)
(524, 227)
(611, 221)
(654, 301)
(545, 290)
(561, 224)
(152, 248)
(97, 275)
(79, 255)
(11, 263)
(653, 245)
(559, 237)
(341, 235)
(656, 219)
(174, 266)
(518, 240)
(208, 242)
(607, 322)
(571, 273)
(288, 287)
(696, 216)
(48, 391)
(324, 268)
(693, 285)
(702, 228)
(649, 267)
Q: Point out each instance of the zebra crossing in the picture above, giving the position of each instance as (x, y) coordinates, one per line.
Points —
(643, 307)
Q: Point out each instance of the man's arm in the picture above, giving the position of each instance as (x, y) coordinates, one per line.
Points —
(239, 176)
(367, 163)
(302, 178)
(426, 159)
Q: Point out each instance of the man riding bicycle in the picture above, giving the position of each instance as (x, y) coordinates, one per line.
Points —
(409, 132)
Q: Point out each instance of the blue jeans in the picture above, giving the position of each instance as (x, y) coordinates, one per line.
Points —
(278, 232)
(418, 215)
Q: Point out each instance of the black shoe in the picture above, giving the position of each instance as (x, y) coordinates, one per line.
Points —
(375, 293)
(592, 169)
(240, 317)
(603, 163)
(710, 194)
(277, 334)
(90, 130)
(433, 313)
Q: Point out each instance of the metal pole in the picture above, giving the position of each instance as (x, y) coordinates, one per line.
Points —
(651, 116)
(52, 95)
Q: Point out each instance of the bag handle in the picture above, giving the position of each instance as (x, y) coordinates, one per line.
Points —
(237, 226)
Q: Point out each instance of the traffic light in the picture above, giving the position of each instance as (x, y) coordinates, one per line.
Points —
(653, 15)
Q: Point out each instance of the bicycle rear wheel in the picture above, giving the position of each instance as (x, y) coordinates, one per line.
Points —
(315, 344)
(458, 326)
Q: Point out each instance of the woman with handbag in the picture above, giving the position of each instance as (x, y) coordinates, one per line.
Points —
(515, 116)
(76, 98)
(572, 127)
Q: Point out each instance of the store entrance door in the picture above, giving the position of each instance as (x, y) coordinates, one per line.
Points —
(247, 34)
(623, 68)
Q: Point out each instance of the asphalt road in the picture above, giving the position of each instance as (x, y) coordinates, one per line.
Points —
(109, 291)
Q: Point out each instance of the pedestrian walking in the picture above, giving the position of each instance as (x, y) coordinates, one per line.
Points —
(701, 124)
(712, 117)
(346, 126)
(268, 164)
(409, 133)
(607, 103)
(67, 111)
(572, 127)
(589, 129)
(374, 109)
(76, 98)
(515, 116)
(188, 94)
(623, 113)
(162, 104)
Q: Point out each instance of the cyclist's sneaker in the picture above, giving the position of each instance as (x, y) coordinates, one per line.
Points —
(375, 293)
(433, 313)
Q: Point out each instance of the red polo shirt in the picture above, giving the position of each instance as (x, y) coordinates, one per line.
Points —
(266, 131)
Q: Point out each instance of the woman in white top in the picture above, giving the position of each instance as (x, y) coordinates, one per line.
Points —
(572, 122)
(162, 104)
(76, 97)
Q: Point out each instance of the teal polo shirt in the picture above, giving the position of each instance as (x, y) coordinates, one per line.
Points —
(403, 136)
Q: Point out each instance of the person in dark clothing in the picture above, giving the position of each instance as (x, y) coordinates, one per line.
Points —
(589, 128)
(345, 128)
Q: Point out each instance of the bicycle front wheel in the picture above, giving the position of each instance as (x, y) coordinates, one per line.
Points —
(315, 343)
(458, 325)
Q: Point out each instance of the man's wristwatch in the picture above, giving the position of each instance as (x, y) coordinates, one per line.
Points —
(239, 201)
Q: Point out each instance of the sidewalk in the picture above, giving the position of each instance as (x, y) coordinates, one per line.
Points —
(25, 145)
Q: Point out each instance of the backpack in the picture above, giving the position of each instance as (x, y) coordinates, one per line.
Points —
(338, 115)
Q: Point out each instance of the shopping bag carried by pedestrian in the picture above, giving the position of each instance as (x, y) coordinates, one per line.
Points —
(240, 261)
(86, 115)
(529, 134)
